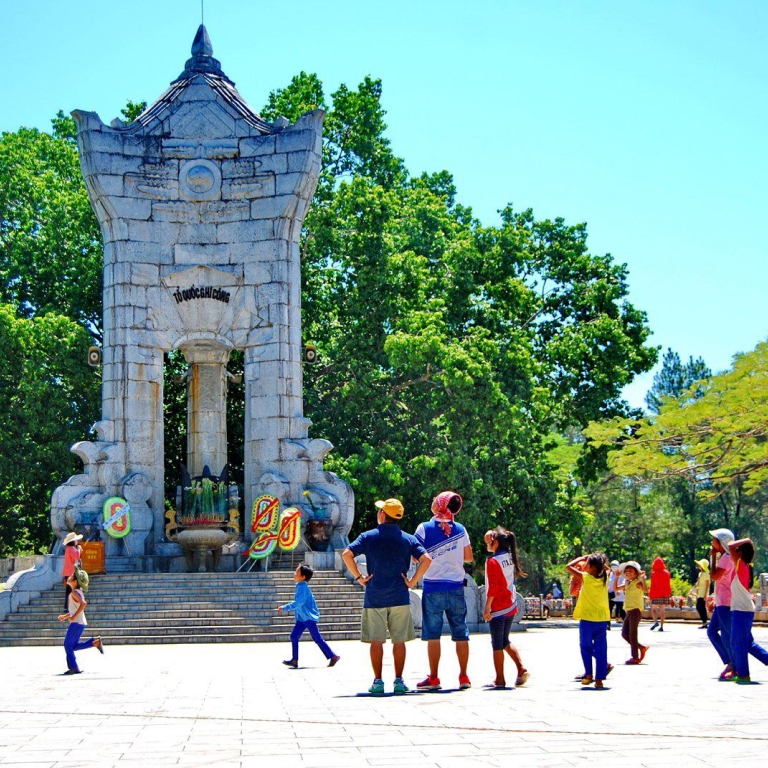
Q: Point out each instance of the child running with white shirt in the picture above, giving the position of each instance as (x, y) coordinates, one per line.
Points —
(501, 570)
(75, 615)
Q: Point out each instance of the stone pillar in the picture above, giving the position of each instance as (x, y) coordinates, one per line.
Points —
(206, 408)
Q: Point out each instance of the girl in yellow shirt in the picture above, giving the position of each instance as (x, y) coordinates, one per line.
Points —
(634, 589)
(594, 614)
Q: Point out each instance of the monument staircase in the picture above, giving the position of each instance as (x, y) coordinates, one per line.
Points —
(139, 608)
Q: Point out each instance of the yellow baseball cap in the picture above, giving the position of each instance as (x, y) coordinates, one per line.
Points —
(392, 507)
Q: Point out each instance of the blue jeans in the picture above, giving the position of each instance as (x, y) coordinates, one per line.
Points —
(593, 639)
(450, 603)
(743, 644)
(719, 632)
(314, 632)
(72, 643)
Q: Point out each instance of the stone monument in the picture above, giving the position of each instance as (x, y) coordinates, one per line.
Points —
(200, 203)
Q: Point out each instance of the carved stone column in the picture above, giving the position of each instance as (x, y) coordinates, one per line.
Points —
(206, 408)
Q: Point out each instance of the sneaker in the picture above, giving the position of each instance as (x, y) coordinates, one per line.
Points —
(610, 669)
(704, 626)
(523, 679)
(743, 680)
(464, 682)
(587, 680)
(727, 674)
(580, 677)
(377, 689)
(643, 651)
(292, 663)
(599, 684)
(333, 661)
(400, 686)
(430, 684)
(632, 661)
(661, 629)
(72, 672)
(654, 626)
(100, 646)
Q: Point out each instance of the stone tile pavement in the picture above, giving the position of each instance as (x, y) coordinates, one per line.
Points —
(236, 706)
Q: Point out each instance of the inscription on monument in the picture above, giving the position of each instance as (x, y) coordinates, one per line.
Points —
(201, 292)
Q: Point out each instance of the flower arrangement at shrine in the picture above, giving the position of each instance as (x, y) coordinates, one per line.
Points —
(205, 502)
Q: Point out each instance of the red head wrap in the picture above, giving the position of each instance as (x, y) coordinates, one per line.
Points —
(444, 507)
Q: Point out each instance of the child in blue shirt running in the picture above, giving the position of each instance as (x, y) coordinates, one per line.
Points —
(307, 616)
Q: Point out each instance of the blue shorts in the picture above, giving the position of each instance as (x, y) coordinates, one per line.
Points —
(453, 605)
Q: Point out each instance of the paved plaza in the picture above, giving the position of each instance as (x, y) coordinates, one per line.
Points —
(236, 706)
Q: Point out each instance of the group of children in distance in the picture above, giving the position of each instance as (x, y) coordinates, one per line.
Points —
(730, 629)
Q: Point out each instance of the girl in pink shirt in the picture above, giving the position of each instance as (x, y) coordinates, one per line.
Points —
(73, 553)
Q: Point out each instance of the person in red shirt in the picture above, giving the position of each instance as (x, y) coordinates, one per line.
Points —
(73, 553)
(660, 592)
(501, 570)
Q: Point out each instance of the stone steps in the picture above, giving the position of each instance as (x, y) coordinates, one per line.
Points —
(211, 609)
(189, 608)
(280, 621)
(148, 597)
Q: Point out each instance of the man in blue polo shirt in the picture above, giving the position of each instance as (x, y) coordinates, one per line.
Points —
(387, 604)
(448, 544)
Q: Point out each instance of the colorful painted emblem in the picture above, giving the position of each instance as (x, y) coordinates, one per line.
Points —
(265, 513)
(272, 529)
(117, 517)
(290, 529)
(263, 546)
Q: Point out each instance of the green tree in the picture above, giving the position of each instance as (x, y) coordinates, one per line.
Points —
(49, 397)
(50, 245)
(674, 378)
(449, 350)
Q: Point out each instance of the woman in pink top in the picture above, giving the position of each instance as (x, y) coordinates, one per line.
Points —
(721, 571)
(73, 553)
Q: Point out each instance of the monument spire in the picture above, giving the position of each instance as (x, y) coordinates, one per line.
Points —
(202, 60)
(201, 45)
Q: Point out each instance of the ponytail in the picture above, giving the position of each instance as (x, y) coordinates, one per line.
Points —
(598, 561)
(507, 540)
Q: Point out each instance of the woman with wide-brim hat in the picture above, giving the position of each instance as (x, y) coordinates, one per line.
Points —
(73, 553)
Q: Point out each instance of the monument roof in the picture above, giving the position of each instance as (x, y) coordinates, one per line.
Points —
(203, 65)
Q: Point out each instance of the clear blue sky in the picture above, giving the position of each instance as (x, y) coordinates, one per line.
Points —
(647, 120)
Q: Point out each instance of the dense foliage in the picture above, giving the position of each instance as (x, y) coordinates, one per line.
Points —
(49, 398)
(449, 351)
(452, 353)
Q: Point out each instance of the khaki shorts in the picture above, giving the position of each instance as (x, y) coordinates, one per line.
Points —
(397, 620)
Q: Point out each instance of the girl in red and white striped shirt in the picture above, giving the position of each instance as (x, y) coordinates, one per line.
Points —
(501, 569)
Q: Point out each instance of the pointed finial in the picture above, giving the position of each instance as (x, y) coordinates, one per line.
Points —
(202, 61)
(201, 45)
